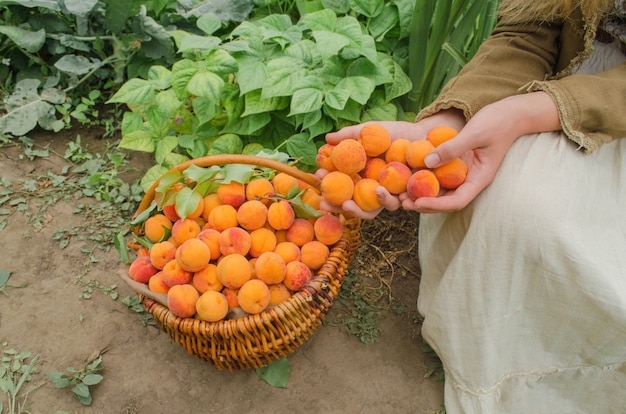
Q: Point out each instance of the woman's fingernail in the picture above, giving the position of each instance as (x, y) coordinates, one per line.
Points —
(431, 160)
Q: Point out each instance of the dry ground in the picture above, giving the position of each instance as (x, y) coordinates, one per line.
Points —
(66, 315)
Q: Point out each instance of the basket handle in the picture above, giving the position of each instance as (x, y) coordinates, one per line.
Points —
(233, 159)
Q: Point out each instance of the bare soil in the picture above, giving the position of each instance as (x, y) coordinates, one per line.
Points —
(145, 371)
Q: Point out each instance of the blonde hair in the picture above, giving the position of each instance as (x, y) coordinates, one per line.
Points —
(533, 10)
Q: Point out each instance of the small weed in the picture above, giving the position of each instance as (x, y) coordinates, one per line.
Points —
(92, 285)
(80, 380)
(134, 304)
(15, 373)
(4, 279)
(435, 370)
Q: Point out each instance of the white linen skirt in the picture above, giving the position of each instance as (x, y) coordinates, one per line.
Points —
(523, 293)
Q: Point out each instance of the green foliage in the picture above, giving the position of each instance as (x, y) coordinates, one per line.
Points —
(15, 373)
(4, 279)
(276, 374)
(80, 380)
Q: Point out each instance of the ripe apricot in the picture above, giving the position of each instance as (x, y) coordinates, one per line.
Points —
(211, 238)
(337, 187)
(324, 159)
(280, 215)
(440, 134)
(211, 306)
(278, 293)
(417, 151)
(283, 183)
(141, 269)
(174, 275)
(233, 271)
(193, 255)
(232, 193)
(328, 229)
(372, 168)
(312, 198)
(157, 227)
(157, 285)
(231, 297)
(184, 229)
(270, 268)
(397, 150)
(262, 240)
(297, 274)
(314, 254)
(206, 279)
(235, 240)
(161, 253)
(210, 201)
(394, 177)
(254, 296)
(422, 183)
(452, 174)
(375, 139)
(260, 189)
(300, 232)
(181, 300)
(365, 194)
(288, 251)
(169, 211)
(252, 215)
(349, 156)
(223, 217)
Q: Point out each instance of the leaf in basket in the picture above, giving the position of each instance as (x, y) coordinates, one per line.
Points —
(141, 217)
(167, 180)
(201, 174)
(120, 246)
(302, 209)
(238, 172)
(276, 374)
(187, 201)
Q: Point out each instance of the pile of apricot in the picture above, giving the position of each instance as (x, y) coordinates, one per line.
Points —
(357, 166)
(242, 247)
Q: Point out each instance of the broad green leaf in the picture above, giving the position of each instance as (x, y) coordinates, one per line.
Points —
(160, 77)
(58, 379)
(320, 20)
(205, 109)
(256, 105)
(339, 6)
(138, 141)
(330, 43)
(81, 390)
(248, 125)
(164, 147)
(80, 7)
(25, 39)
(46, 4)
(284, 77)
(168, 103)
(206, 84)
(306, 100)
(167, 180)
(118, 12)
(200, 174)
(136, 91)
(153, 174)
(368, 8)
(4, 277)
(220, 62)
(182, 72)
(299, 146)
(366, 68)
(251, 74)
(193, 146)
(359, 88)
(77, 65)
(226, 144)
(194, 42)
(209, 23)
(384, 22)
(401, 84)
(240, 173)
(337, 97)
(276, 374)
(92, 379)
(187, 201)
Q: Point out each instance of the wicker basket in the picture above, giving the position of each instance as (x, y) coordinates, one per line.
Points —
(253, 341)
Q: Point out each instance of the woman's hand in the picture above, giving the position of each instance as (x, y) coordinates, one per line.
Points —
(397, 129)
(483, 143)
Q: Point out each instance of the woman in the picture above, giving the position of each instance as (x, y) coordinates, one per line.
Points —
(523, 287)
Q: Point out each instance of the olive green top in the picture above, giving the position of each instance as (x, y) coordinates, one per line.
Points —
(541, 56)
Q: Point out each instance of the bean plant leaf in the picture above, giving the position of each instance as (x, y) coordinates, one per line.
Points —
(187, 201)
(48, 4)
(25, 39)
(77, 65)
(4, 277)
(276, 374)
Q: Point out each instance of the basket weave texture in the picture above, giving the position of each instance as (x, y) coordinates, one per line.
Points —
(254, 341)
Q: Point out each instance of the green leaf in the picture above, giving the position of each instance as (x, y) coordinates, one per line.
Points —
(59, 379)
(136, 91)
(92, 379)
(240, 173)
(25, 39)
(306, 100)
(299, 146)
(209, 23)
(4, 277)
(206, 84)
(368, 8)
(276, 374)
(138, 141)
(187, 201)
(195, 43)
(77, 65)
(226, 144)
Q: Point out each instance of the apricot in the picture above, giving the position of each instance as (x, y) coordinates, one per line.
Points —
(233, 271)
(232, 193)
(169, 211)
(288, 251)
(452, 174)
(422, 183)
(312, 198)
(440, 134)
(210, 201)
(174, 275)
(281, 235)
(270, 268)
(231, 297)
(337, 187)
(193, 255)
(394, 177)
(157, 228)
(349, 156)
(324, 159)
(397, 150)
(417, 151)
(181, 300)
(278, 293)
(254, 296)
(314, 254)
(157, 285)
(375, 139)
(365, 194)
(280, 215)
(283, 183)
(211, 238)
(328, 229)
(223, 217)
(300, 232)
(206, 279)
(141, 269)
(211, 306)
(161, 253)
(184, 229)
(297, 274)
(260, 189)
(372, 168)
(252, 215)
(235, 240)
(262, 240)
